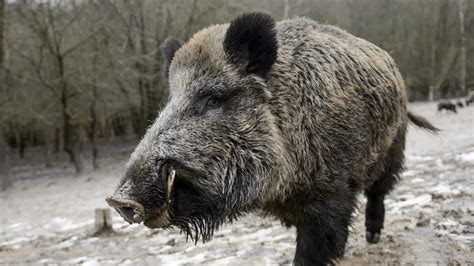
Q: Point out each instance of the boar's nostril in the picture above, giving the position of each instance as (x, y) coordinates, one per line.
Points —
(127, 213)
(131, 211)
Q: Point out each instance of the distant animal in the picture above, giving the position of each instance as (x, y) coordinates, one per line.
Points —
(290, 119)
(470, 98)
(447, 106)
(460, 104)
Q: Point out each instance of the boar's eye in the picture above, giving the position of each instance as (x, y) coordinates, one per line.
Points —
(209, 101)
(212, 102)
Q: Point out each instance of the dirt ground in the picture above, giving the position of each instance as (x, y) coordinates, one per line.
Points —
(47, 217)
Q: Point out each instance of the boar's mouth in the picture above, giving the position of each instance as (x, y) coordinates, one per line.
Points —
(161, 217)
(134, 212)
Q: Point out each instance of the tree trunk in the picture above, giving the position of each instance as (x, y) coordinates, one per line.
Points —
(57, 140)
(462, 81)
(70, 136)
(4, 165)
(286, 8)
(146, 96)
(158, 83)
(22, 146)
(70, 144)
(2, 26)
(442, 53)
(432, 70)
(190, 22)
(47, 152)
(5, 181)
(92, 109)
(447, 65)
(143, 102)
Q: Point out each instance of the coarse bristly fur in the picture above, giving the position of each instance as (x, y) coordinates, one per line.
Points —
(289, 119)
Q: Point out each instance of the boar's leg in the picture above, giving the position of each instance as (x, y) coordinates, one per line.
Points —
(322, 238)
(392, 167)
(374, 217)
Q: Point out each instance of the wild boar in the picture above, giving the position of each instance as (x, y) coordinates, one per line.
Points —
(447, 106)
(290, 119)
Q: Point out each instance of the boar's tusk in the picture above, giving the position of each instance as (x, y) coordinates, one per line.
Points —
(170, 185)
(163, 218)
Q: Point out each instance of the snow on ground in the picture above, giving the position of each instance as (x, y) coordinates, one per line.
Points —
(47, 217)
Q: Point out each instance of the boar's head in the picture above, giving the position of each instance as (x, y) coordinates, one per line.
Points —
(214, 150)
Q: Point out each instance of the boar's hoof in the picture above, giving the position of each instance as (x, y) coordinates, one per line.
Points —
(372, 237)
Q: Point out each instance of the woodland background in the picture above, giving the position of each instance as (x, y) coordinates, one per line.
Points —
(76, 73)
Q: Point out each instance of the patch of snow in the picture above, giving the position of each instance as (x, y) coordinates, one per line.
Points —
(78, 260)
(410, 173)
(91, 239)
(180, 258)
(466, 157)
(17, 241)
(15, 225)
(91, 263)
(404, 197)
(127, 262)
(443, 189)
(229, 260)
(417, 180)
(67, 243)
(417, 158)
(158, 250)
(449, 223)
(71, 225)
(439, 163)
(45, 261)
(415, 201)
(464, 238)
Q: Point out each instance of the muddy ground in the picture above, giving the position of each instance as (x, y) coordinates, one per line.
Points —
(48, 216)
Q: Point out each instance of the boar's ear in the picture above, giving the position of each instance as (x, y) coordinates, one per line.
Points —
(251, 44)
(168, 48)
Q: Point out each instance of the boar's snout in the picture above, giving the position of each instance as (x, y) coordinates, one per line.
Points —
(131, 211)
(127, 198)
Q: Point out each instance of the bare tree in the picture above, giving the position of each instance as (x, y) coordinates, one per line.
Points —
(2, 27)
(4, 169)
(52, 30)
(93, 106)
(443, 51)
(462, 8)
(77, 69)
(286, 8)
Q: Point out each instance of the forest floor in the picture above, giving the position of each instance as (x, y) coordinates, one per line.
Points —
(47, 217)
